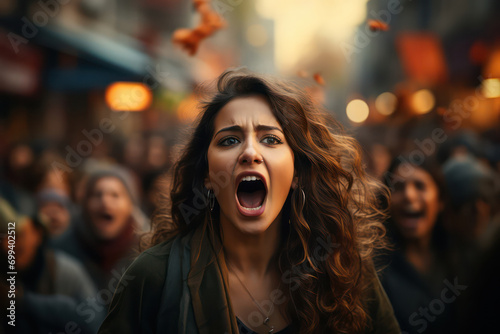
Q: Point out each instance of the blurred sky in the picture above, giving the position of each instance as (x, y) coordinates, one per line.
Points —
(300, 24)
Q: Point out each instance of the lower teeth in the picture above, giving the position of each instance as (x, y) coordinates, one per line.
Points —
(257, 208)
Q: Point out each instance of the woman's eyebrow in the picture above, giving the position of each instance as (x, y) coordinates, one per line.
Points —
(259, 127)
(267, 128)
(230, 128)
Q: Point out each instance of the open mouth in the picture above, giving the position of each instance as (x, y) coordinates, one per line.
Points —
(106, 217)
(251, 193)
(410, 218)
(413, 214)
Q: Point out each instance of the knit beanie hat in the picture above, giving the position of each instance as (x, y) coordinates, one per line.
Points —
(468, 179)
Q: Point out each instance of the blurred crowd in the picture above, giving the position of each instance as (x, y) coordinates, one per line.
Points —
(444, 227)
(79, 227)
(76, 229)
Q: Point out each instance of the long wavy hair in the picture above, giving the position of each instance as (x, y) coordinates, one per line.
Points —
(341, 209)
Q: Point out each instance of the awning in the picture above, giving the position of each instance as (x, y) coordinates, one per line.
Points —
(124, 58)
(101, 60)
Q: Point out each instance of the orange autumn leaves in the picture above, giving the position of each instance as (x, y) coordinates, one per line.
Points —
(373, 25)
(319, 79)
(377, 25)
(316, 76)
(190, 39)
(211, 21)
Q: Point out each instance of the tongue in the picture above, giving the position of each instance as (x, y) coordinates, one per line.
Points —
(251, 199)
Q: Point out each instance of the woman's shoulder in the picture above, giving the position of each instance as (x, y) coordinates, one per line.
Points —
(160, 251)
(152, 260)
(378, 305)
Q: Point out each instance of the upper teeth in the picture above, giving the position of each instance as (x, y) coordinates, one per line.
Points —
(250, 178)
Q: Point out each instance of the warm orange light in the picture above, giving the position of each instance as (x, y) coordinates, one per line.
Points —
(491, 88)
(423, 101)
(188, 109)
(128, 96)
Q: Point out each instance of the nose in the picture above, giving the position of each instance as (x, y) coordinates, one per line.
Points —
(106, 200)
(410, 192)
(250, 154)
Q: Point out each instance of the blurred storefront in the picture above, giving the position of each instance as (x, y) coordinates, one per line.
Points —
(58, 58)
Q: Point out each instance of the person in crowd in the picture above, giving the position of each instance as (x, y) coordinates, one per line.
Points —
(55, 206)
(50, 288)
(50, 171)
(472, 215)
(415, 272)
(473, 219)
(15, 169)
(376, 153)
(105, 237)
(154, 183)
(270, 228)
(463, 143)
(479, 307)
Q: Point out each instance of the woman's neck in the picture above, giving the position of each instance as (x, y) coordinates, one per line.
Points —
(251, 254)
(420, 245)
(419, 253)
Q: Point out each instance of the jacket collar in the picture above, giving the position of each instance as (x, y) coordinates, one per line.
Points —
(207, 282)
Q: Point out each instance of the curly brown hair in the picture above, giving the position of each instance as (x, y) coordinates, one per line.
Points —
(341, 207)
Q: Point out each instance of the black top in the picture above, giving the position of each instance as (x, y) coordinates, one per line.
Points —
(137, 305)
(421, 302)
(243, 329)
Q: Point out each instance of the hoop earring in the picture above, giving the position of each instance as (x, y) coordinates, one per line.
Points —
(211, 199)
(303, 198)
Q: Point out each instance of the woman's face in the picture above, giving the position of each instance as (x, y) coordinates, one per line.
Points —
(109, 207)
(415, 202)
(251, 166)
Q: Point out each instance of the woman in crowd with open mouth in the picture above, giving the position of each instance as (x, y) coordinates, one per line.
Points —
(270, 227)
(419, 265)
(104, 239)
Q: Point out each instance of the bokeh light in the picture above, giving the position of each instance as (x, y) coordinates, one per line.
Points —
(128, 96)
(491, 88)
(423, 101)
(386, 103)
(357, 111)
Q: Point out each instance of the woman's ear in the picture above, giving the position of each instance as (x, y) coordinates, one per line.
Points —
(207, 183)
(295, 181)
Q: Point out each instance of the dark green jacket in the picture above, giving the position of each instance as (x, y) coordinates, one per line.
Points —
(139, 304)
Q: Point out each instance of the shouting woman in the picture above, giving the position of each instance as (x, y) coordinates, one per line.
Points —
(270, 227)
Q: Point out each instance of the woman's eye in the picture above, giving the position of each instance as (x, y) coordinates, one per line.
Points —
(228, 141)
(420, 185)
(272, 140)
(399, 186)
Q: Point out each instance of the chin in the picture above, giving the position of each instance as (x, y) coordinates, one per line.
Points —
(106, 234)
(248, 225)
(254, 227)
(412, 235)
